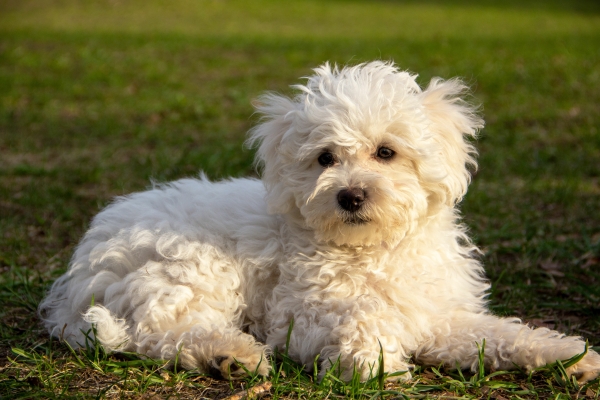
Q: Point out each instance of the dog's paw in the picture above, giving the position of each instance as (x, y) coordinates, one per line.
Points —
(402, 375)
(587, 368)
(347, 370)
(231, 367)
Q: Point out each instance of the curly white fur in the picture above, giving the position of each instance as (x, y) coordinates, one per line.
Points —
(206, 273)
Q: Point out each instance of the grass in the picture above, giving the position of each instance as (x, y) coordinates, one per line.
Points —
(99, 97)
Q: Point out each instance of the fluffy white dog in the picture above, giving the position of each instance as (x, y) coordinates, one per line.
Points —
(352, 233)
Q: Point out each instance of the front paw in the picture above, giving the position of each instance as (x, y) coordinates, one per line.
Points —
(366, 369)
(587, 368)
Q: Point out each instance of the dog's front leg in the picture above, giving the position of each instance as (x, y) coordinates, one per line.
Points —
(349, 334)
(507, 343)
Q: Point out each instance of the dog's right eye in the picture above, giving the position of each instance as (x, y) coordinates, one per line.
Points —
(326, 159)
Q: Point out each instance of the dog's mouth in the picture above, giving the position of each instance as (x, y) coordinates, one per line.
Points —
(355, 220)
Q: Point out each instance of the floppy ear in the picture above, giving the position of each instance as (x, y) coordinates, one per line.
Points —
(453, 122)
(277, 120)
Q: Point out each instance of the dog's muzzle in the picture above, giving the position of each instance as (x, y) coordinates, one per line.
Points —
(351, 199)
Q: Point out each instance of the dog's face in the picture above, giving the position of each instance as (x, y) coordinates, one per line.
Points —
(362, 155)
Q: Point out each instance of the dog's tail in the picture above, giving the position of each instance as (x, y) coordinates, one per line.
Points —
(111, 332)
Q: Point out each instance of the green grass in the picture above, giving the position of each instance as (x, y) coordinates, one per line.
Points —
(99, 97)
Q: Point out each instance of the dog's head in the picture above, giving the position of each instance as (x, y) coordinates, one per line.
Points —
(362, 155)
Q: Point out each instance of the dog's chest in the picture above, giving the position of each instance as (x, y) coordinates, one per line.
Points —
(336, 274)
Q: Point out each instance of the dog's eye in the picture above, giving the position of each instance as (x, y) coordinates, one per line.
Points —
(384, 152)
(326, 159)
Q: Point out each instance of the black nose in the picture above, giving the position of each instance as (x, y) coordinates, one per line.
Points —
(351, 199)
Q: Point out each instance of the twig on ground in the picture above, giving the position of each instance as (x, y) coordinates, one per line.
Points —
(253, 392)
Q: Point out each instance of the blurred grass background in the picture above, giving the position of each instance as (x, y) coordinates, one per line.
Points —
(99, 97)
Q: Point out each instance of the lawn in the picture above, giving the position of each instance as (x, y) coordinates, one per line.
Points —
(100, 97)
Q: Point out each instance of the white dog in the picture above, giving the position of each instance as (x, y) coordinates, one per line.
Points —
(352, 234)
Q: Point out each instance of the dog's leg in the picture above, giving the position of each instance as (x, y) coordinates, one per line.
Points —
(507, 343)
(346, 334)
(183, 310)
(226, 351)
(215, 347)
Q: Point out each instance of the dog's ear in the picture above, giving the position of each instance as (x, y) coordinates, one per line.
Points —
(454, 122)
(277, 121)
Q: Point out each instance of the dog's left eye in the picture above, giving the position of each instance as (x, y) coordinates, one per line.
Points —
(384, 152)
